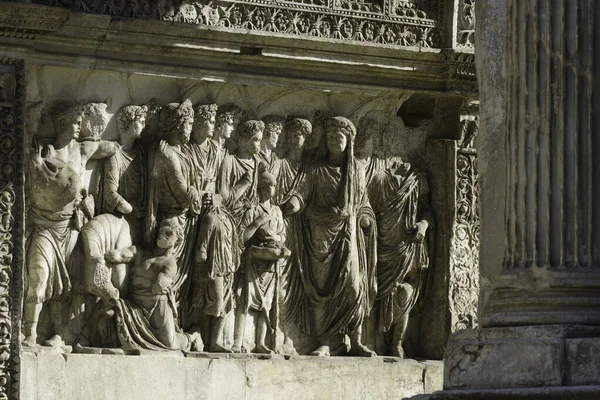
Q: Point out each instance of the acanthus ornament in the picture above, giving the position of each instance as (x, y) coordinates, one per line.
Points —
(400, 23)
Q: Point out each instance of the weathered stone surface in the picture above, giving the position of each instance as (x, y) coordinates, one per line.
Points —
(79, 376)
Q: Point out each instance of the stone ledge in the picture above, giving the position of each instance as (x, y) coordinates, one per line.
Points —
(523, 357)
(48, 375)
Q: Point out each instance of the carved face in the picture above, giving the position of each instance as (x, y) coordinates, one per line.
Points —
(336, 141)
(166, 238)
(72, 128)
(137, 126)
(251, 145)
(266, 190)
(271, 137)
(296, 140)
(186, 130)
(203, 128)
(226, 129)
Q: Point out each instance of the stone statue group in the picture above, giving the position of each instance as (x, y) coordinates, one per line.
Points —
(220, 215)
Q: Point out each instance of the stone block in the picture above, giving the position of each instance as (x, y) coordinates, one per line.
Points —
(116, 377)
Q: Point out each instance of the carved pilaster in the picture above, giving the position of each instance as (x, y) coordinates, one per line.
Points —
(553, 179)
(12, 99)
(464, 262)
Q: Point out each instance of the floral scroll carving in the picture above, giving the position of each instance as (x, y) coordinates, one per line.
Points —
(465, 31)
(11, 224)
(400, 23)
(464, 285)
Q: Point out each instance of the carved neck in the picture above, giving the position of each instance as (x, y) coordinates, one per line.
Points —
(163, 252)
(127, 143)
(62, 141)
(295, 155)
(337, 158)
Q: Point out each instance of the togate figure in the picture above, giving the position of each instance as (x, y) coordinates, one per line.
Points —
(336, 256)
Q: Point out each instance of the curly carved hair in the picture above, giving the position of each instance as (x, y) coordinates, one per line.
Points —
(174, 115)
(273, 123)
(299, 125)
(205, 112)
(228, 114)
(249, 128)
(66, 112)
(128, 114)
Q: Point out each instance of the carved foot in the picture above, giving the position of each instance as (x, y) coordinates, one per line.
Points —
(29, 341)
(398, 351)
(217, 348)
(322, 351)
(262, 349)
(287, 349)
(238, 349)
(196, 342)
(54, 341)
(360, 350)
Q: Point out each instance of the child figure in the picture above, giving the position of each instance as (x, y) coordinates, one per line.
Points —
(263, 238)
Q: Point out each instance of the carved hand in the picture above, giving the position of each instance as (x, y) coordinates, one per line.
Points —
(292, 206)
(419, 231)
(113, 256)
(365, 222)
(124, 207)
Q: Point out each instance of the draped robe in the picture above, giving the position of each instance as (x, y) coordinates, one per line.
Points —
(397, 206)
(335, 257)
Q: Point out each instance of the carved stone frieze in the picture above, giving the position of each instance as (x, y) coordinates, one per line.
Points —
(23, 21)
(392, 22)
(464, 277)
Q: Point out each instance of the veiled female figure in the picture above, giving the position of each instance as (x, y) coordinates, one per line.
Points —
(336, 256)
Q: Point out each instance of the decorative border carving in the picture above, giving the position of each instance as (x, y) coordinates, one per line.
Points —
(462, 65)
(390, 22)
(12, 212)
(26, 21)
(464, 265)
(465, 27)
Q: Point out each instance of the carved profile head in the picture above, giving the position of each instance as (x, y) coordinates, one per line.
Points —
(363, 147)
(204, 122)
(297, 130)
(176, 121)
(131, 121)
(170, 233)
(67, 121)
(266, 186)
(339, 131)
(227, 116)
(250, 134)
(273, 128)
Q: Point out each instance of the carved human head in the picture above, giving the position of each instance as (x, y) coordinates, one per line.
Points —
(67, 121)
(169, 234)
(131, 120)
(250, 134)
(363, 147)
(226, 117)
(176, 119)
(204, 122)
(273, 128)
(339, 130)
(266, 186)
(297, 130)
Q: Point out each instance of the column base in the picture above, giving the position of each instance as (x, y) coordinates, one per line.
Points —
(523, 357)
(549, 393)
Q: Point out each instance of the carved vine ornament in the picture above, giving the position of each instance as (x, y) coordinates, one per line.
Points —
(392, 22)
(290, 226)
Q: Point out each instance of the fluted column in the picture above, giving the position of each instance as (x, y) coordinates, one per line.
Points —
(551, 269)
